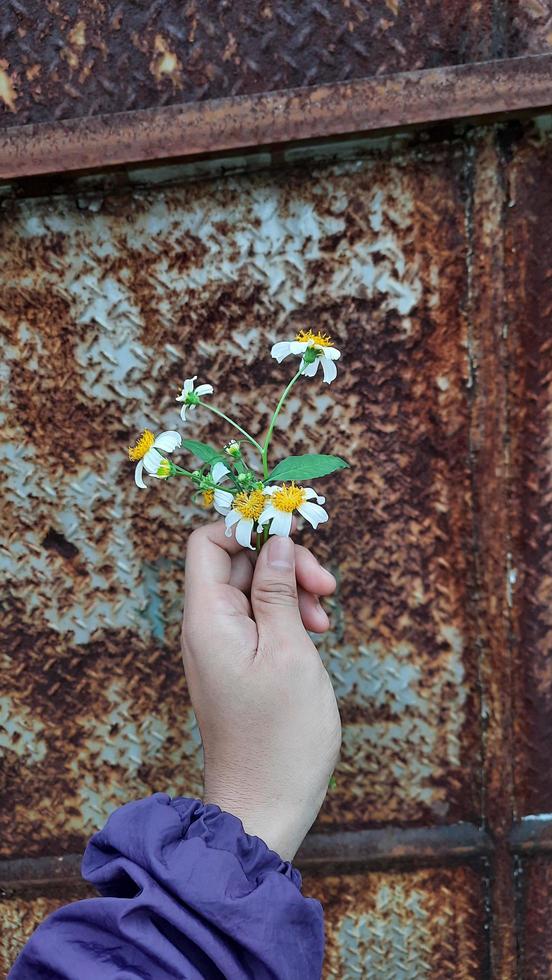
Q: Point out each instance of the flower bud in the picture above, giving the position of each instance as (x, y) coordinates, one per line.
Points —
(165, 469)
(232, 448)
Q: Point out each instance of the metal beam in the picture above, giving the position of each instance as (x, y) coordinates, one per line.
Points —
(329, 853)
(275, 120)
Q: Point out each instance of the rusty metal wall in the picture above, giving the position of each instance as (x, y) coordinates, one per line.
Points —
(84, 57)
(107, 301)
(427, 259)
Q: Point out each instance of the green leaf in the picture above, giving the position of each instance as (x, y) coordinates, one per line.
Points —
(306, 467)
(201, 449)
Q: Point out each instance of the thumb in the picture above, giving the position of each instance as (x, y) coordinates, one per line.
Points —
(274, 591)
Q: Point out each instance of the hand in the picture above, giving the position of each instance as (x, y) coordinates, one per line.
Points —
(265, 705)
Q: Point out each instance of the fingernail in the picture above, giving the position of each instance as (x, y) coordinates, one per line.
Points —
(281, 552)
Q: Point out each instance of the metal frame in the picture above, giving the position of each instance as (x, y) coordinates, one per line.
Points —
(480, 91)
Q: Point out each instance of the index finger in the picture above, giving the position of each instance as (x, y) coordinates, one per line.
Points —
(208, 558)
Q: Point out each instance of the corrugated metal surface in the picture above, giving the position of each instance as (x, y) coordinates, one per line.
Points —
(426, 925)
(107, 303)
(530, 351)
(535, 935)
(427, 259)
(21, 915)
(61, 60)
(400, 926)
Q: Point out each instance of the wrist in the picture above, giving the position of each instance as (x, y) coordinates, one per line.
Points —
(281, 831)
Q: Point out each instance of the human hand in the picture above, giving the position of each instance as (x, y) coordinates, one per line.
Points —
(265, 705)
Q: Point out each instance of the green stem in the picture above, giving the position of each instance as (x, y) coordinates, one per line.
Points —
(182, 472)
(279, 406)
(231, 422)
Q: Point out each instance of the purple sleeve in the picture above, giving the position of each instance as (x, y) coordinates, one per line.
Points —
(186, 893)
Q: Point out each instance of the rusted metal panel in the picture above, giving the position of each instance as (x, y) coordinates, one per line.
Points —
(107, 302)
(278, 120)
(417, 926)
(63, 60)
(530, 26)
(390, 926)
(486, 304)
(534, 916)
(529, 261)
(19, 917)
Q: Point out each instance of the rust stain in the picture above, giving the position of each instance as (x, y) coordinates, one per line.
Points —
(77, 42)
(165, 62)
(8, 92)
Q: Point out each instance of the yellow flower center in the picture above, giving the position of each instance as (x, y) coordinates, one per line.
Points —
(288, 498)
(144, 443)
(315, 339)
(249, 505)
(208, 497)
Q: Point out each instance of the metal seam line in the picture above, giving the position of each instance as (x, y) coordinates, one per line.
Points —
(332, 852)
(478, 91)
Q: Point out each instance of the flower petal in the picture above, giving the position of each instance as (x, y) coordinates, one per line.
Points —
(222, 501)
(311, 369)
(138, 475)
(329, 369)
(311, 494)
(243, 532)
(168, 441)
(189, 385)
(204, 390)
(152, 460)
(281, 524)
(183, 412)
(218, 471)
(314, 514)
(267, 515)
(298, 346)
(232, 518)
(271, 490)
(332, 353)
(281, 350)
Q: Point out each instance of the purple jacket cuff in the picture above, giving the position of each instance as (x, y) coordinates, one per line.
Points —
(186, 893)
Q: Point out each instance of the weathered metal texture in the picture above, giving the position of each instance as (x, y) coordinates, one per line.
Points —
(529, 26)
(426, 925)
(275, 121)
(63, 60)
(107, 302)
(535, 888)
(20, 916)
(488, 434)
(529, 263)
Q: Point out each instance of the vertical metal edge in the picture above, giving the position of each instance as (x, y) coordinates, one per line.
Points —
(486, 311)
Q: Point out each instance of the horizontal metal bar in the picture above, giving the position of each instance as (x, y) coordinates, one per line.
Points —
(532, 835)
(274, 120)
(329, 853)
(366, 850)
(335, 852)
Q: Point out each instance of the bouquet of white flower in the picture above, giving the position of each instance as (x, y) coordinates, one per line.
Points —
(250, 503)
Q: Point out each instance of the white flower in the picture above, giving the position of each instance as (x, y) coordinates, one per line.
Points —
(190, 395)
(145, 454)
(216, 496)
(282, 501)
(246, 509)
(315, 349)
